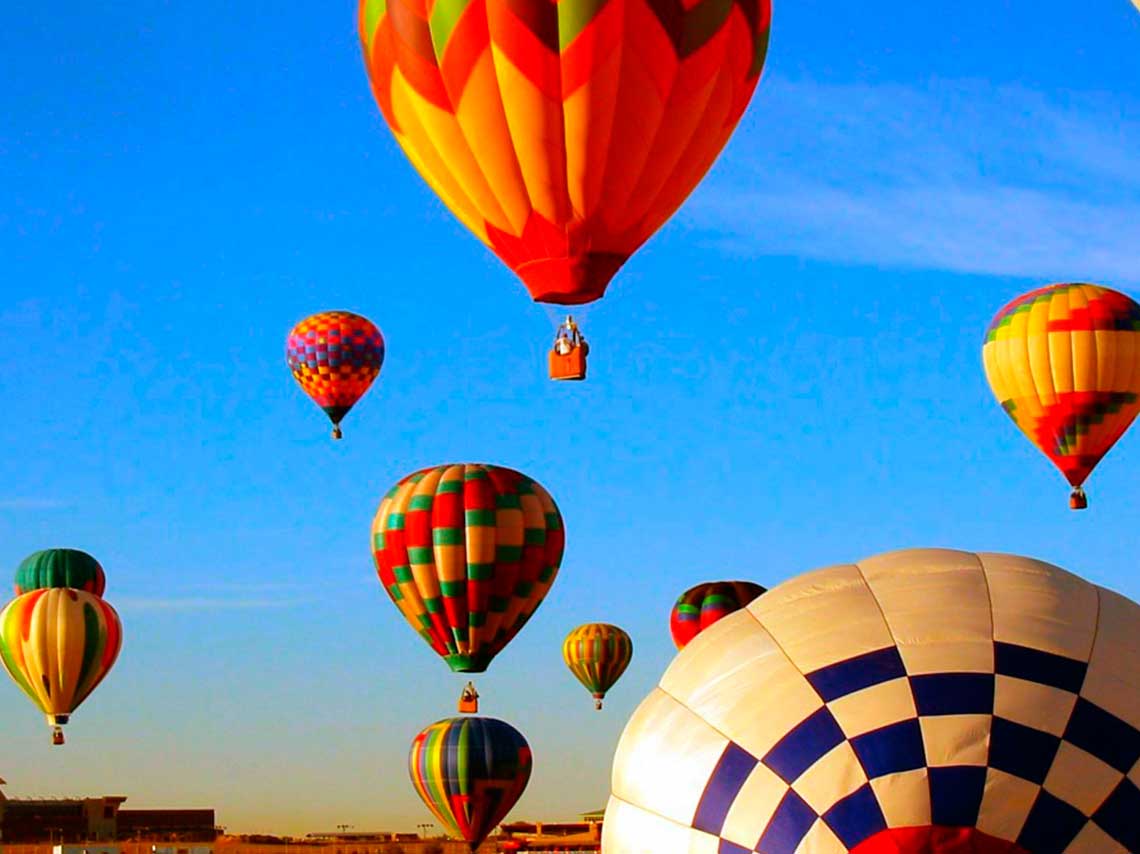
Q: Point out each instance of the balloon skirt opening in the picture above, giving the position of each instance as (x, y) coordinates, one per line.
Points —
(460, 663)
(936, 840)
(570, 281)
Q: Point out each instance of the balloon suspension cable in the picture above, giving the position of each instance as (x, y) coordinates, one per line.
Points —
(336, 434)
(1077, 499)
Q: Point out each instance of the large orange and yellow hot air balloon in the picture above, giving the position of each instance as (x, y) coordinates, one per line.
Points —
(58, 644)
(563, 134)
(1064, 362)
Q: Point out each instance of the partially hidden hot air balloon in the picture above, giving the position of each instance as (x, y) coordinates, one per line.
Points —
(60, 568)
(563, 135)
(470, 771)
(58, 644)
(467, 552)
(335, 356)
(597, 654)
(925, 701)
(703, 604)
(1064, 363)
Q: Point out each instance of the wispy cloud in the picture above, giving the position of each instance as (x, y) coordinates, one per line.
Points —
(956, 176)
(201, 603)
(32, 504)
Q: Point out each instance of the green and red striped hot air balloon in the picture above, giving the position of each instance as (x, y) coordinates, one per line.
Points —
(702, 605)
(467, 552)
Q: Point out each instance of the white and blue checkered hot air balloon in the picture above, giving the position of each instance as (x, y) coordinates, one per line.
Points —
(919, 702)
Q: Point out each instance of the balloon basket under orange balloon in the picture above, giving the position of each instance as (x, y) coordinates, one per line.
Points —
(56, 735)
(1078, 500)
(568, 366)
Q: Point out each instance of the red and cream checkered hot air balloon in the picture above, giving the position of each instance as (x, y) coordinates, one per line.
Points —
(563, 134)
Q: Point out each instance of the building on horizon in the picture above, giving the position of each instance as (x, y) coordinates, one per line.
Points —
(539, 837)
(61, 820)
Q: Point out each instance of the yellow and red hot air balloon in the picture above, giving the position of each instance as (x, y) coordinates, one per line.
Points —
(335, 356)
(563, 134)
(58, 644)
(1064, 362)
(597, 654)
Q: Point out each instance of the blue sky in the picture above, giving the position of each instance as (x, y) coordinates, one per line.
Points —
(787, 376)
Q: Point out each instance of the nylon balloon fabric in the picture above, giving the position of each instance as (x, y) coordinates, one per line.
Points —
(467, 552)
(563, 135)
(926, 701)
(470, 771)
(60, 568)
(1064, 363)
(335, 356)
(597, 654)
(57, 645)
(702, 605)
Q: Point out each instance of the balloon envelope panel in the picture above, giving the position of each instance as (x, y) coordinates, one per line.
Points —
(919, 701)
(60, 568)
(1064, 363)
(563, 134)
(467, 552)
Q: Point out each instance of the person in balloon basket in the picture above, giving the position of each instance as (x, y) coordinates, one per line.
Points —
(568, 357)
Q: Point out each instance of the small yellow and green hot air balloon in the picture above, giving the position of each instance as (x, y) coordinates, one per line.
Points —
(58, 644)
(1064, 362)
(597, 654)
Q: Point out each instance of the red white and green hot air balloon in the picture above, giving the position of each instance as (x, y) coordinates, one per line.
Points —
(467, 552)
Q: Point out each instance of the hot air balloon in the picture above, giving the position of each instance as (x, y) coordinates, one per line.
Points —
(58, 644)
(470, 771)
(563, 134)
(1064, 362)
(926, 701)
(701, 606)
(335, 356)
(597, 654)
(467, 552)
(60, 568)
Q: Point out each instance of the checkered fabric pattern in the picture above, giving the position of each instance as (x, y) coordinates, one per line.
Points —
(335, 356)
(921, 689)
(467, 552)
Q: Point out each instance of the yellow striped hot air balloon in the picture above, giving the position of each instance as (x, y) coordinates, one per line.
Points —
(597, 654)
(1064, 362)
(57, 644)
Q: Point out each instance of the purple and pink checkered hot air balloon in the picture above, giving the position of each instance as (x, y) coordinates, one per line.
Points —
(335, 356)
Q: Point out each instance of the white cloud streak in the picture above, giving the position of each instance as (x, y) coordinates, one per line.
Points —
(954, 176)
